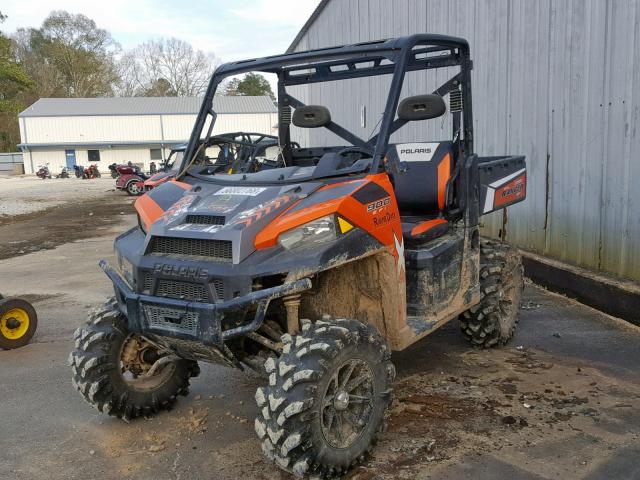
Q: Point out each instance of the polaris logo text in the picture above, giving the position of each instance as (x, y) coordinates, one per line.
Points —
(178, 271)
(415, 150)
(378, 204)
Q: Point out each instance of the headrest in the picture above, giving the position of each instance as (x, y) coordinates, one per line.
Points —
(311, 116)
(421, 107)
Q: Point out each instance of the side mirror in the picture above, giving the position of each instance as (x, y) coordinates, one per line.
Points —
(311, 116)
(421, 107)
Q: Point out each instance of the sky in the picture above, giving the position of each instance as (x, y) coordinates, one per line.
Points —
(231, 29)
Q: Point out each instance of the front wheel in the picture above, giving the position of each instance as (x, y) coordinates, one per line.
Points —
(326, 399)
(121, 373)
(493, 321)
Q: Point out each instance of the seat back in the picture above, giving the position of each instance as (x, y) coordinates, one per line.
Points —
(421, 188)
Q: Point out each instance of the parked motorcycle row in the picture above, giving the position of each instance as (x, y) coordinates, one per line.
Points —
(80, 172)
(129, 178)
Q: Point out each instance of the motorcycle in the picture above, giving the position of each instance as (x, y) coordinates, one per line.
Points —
(79, 171)
(91, 172)
(64, 173)
(113, 169)
(43, 172)
(131, 179)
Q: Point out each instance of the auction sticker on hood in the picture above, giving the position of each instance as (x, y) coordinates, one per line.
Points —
(247, 191)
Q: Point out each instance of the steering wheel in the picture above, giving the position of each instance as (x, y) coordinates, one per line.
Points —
(366, 150)
(347, 150)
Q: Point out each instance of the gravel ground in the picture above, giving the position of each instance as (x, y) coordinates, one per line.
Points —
(23, 195)
(559, 402)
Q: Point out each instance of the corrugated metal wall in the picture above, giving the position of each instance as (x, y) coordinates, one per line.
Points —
(11, 164)
(556, 80)
(133, 128)
(133, 131)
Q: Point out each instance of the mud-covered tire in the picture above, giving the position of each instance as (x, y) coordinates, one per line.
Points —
(492, 322)
(290, 420)
(97, 375)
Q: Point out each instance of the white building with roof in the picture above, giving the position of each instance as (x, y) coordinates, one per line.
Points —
(82, 131)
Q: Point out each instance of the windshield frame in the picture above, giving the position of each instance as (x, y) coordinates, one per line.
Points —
(437, 51)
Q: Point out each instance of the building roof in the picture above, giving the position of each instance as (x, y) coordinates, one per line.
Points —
(106, 106)
(307, 25)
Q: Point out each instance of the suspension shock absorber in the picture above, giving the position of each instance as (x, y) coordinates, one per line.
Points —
(292, 304)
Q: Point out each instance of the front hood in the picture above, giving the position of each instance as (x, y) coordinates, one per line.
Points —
(234, 213)
(158, 178)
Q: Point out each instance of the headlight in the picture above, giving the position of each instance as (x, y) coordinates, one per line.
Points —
(309, 235)
(126, 269)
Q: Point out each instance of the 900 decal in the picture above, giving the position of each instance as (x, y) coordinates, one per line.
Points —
(378, 204)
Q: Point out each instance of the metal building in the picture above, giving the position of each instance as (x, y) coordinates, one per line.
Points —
(557, 81)
(68, 131)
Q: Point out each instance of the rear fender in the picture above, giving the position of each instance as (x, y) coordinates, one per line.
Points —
(123, 180)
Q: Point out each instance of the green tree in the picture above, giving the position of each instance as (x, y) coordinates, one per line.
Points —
(14, 81)
(69, 56)
(252, 84)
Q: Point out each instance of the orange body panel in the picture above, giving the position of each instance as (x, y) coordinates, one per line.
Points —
(512, 192)
(425, 226)
(444, 173)
(148, 210)
(382, 223)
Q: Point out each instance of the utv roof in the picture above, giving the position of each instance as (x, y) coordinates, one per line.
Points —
(426, 51)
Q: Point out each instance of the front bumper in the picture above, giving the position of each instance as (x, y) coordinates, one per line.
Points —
(195, 321)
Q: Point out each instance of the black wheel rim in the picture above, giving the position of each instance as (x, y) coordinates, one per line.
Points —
(347, 403)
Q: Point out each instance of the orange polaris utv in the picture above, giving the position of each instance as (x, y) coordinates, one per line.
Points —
(313, 267)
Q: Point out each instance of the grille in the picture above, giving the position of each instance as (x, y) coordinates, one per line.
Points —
(219, 288)
(192, 247)
(172, 319)
(148, 283)
(176, 289)
(186, 290)
(205, 219)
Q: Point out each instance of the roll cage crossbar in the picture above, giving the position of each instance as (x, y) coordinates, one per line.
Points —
(383, 57)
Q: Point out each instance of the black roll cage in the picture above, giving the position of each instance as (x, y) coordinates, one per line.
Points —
(383, 57)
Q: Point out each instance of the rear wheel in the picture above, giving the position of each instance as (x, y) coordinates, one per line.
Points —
(327, 395)
(493, 321)
(18, 323)
(133, 188)
(121, 373)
